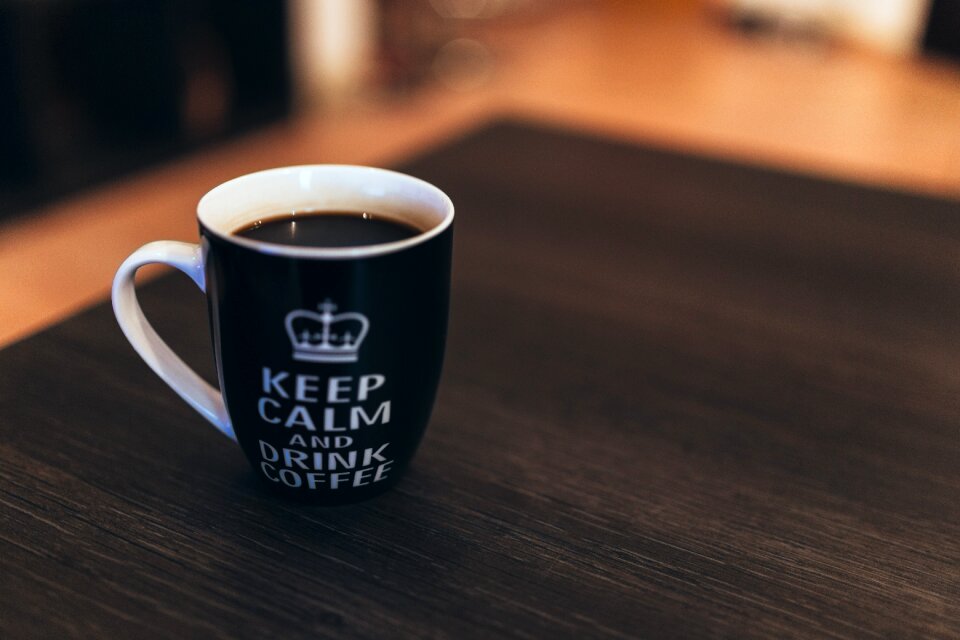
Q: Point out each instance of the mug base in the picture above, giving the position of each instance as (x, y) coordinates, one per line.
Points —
(325, 497)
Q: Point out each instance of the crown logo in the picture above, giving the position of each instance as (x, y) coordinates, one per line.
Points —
(325, 337)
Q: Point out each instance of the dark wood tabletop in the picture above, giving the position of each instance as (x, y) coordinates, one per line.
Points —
(683, 398)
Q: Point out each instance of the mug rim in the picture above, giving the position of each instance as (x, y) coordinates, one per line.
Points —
(208, 217)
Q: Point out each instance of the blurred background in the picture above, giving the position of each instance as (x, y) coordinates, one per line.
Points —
(117, 115)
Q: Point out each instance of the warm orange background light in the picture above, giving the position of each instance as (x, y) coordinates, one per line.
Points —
(665, 72)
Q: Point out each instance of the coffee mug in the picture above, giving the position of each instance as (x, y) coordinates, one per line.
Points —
(328, 358)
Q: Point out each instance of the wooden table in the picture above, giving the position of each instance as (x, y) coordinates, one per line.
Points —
(683, 398)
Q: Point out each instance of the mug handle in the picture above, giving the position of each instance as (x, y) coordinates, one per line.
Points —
(165, 363)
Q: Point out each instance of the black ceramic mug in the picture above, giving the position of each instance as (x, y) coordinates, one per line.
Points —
(328, 419)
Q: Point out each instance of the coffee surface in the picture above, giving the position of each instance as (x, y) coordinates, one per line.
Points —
(328, 229)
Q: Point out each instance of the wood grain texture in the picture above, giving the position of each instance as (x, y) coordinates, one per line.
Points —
(683, 398)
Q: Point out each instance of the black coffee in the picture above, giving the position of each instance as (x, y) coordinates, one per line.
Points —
(328, 229)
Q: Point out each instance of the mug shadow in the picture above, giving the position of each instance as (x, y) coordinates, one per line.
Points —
(375, 551)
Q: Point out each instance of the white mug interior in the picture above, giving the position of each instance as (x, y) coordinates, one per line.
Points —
(274, 193)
